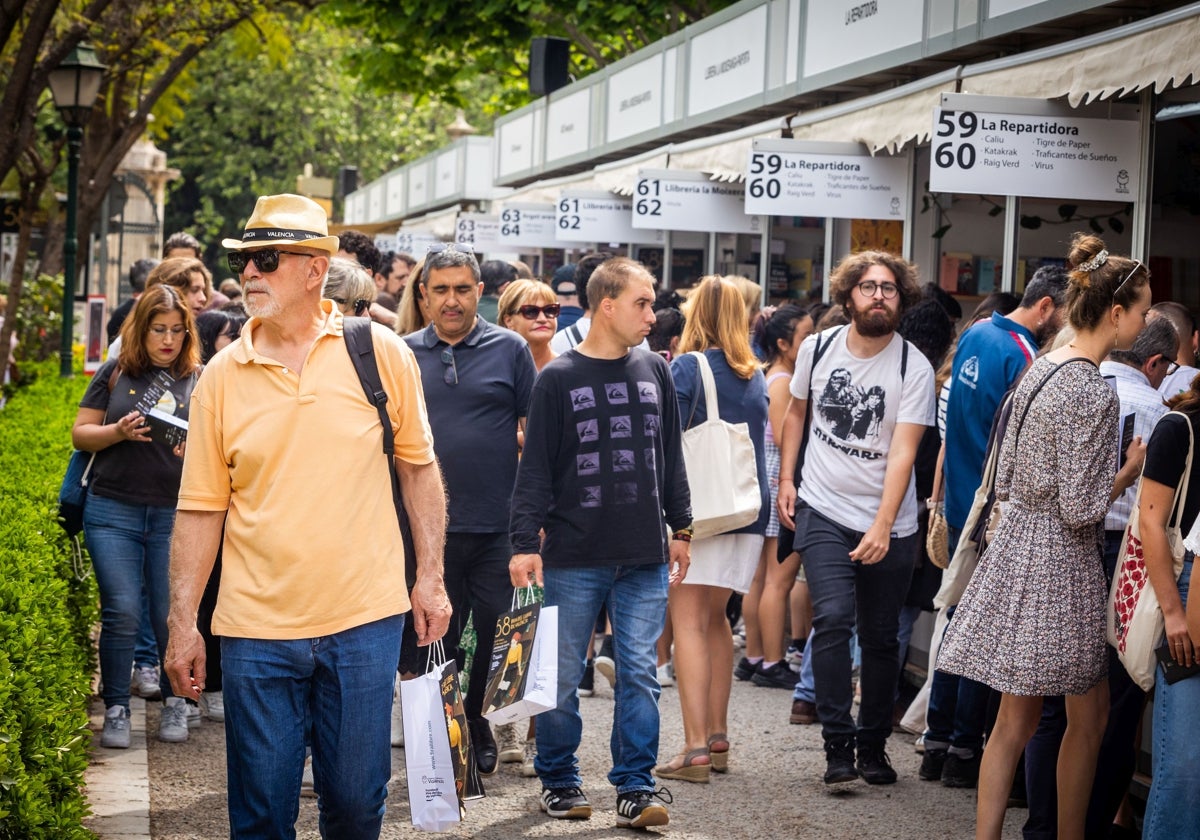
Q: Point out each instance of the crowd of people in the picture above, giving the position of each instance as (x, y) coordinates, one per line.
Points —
(536, 438)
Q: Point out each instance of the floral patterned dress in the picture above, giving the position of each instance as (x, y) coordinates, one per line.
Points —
(1031, 621)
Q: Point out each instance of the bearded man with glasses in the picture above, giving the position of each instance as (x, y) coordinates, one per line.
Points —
(310, 622)
(477, 378)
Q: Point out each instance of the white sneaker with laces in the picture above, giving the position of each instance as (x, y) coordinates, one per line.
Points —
(173, 726)
(194, 718)
(509, 744)
(144, 683)
(115, 734)
(527, 769)
(212, 705)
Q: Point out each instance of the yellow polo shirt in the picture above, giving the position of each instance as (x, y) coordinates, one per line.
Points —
(311, 543)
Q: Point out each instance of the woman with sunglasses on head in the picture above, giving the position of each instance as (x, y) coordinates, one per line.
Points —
(1031, 622)
(530, 308)
(133, 490)
(349, 287)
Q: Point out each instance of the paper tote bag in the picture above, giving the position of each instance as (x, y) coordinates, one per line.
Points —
(1135, 619)
(721, 466)
(523, 671)
(437, 747)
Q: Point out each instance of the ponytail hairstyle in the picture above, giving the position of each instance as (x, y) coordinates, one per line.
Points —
(1098, 281)
(781, 326)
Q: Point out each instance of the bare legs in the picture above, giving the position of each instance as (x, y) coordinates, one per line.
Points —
(703, 660)
(1015, 725)
(778, 584)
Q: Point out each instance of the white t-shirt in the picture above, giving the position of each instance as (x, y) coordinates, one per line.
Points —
(856, 404)
(1177, 382)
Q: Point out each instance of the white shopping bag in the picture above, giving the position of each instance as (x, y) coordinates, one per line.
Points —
(523, 672)
(430, 738)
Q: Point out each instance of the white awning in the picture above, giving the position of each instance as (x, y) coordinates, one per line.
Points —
(439, 223)
(620, 176)
(1158, 52)
(882, 121)
(723, 156)
(545, 192)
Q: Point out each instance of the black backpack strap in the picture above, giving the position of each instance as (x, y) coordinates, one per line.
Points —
(357, 332)
(576, 335)
(903, 360)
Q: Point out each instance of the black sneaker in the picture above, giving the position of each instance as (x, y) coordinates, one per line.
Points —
(637, 809)
(931, 765)
(744, 670)
(874, 765)
(778, 675)
(839, 761)
(961, 772)
(587, 685)
(565, 803)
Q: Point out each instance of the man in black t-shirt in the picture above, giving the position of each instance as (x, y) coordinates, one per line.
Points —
(601, 470)
(138, 272)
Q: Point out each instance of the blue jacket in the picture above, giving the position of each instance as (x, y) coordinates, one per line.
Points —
(991, 356)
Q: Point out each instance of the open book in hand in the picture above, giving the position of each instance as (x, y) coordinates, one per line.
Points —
(166, 428)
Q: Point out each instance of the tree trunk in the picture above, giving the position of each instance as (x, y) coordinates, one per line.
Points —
(31, 192)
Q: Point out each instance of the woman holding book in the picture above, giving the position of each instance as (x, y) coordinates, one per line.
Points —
(133, 488)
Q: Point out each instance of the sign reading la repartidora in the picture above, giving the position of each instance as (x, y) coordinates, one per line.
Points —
(831, 180)
(993, 145)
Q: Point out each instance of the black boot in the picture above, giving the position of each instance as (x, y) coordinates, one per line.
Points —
(484, 745)
(839, 760)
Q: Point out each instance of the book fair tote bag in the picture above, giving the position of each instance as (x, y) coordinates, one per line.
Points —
(523, 671)
(1135, 619)
(721, 466)
(437, 747)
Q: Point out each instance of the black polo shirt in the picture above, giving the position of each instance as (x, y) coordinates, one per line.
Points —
(474, 421)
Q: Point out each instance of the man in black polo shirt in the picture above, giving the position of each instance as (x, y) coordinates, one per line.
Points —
(477, 379)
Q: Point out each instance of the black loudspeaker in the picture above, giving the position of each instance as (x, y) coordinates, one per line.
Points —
(347, 181)
(548, 63)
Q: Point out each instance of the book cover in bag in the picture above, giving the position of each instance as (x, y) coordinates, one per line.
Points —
(512, 649)
(467, 781)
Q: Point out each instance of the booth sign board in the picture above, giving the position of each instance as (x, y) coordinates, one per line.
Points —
(415, 242)
(528, 225)
(478, 231)
(674, 199)
(592, 216)
(992, 145)
(831, 180)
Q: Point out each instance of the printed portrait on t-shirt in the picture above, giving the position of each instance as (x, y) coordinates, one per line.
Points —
(852, 412)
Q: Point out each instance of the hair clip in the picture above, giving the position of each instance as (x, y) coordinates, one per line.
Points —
(1094, 263)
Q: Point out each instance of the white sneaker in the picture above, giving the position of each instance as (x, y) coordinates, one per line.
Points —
(173, 726)
(115, 735)
(144, 683)
(307, 789)
(212, 705)
(510, 749)
(527, 759)
(397, 717)
(607, 668)
(194, 718)
(665, 675)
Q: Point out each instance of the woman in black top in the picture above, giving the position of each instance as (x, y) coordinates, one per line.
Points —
(133, 489)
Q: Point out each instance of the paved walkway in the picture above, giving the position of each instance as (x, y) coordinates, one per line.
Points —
(118, 781)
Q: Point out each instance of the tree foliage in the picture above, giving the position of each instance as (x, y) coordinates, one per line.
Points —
(429, 49)
(253, 115)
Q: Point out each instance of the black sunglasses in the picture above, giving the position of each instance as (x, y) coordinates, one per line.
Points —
(530, 312)
(266, 259)
(450, 375)
(360, 305)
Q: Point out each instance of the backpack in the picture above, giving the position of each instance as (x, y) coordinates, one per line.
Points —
(357, 332)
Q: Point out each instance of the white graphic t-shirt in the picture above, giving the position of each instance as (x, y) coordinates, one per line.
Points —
(856, 404)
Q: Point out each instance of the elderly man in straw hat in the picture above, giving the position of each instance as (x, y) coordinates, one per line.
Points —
(284, 454)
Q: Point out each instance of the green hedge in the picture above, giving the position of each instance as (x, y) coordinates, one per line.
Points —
(46, 615)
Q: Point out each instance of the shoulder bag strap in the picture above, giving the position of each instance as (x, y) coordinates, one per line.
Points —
(1041, 385)
(1181, 490)
(112, 383)
(575, 334)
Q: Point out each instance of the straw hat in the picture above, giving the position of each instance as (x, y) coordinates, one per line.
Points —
(286, 220)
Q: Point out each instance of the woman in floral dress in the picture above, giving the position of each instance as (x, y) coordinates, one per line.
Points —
(1031, 622)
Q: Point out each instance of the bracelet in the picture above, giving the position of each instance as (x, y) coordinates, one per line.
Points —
(682, 536)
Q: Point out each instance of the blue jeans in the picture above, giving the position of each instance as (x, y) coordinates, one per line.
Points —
(130, 549)
(1173, 809)
(637, 598)
(806, 686)
(337, 687)
(846, 593)
(145, 647)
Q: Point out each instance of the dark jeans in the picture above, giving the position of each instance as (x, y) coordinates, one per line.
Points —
(845, 593)
(477, 581)
(1117, 758)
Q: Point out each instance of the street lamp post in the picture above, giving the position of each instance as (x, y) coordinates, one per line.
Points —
(75, 84)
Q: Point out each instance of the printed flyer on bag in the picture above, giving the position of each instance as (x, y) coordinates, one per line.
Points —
(511, 653)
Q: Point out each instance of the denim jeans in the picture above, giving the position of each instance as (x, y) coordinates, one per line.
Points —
(845, 593)
(1173, 809)
(806, 686)
(637, 609)
(145, 647)
(338, 688)
(130, 548)
(477, 582)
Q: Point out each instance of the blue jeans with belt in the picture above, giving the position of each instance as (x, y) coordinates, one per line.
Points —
(130, 549)
(637, 598)
(339, 687)
(1173, 809)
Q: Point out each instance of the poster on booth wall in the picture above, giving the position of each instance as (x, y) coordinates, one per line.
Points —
(94, 335)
